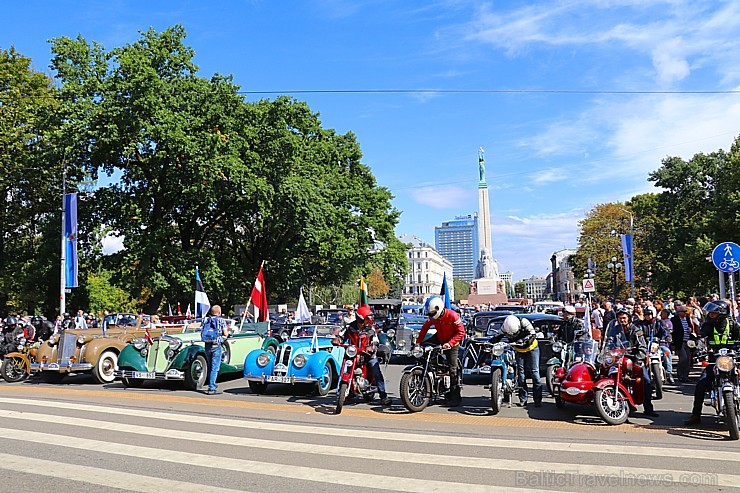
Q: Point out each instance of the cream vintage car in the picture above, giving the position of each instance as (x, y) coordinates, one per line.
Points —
(86, 351)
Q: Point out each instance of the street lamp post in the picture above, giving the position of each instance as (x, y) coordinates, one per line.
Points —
(614, 266)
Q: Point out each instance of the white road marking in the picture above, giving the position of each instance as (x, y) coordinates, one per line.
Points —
(485, 463)
(103, 477)
(355, 479)
(600, 448)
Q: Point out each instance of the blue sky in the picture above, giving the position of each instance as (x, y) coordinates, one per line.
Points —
(550, 156)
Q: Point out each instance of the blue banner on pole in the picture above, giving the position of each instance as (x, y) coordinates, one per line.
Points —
(627, 249)
(70, 239)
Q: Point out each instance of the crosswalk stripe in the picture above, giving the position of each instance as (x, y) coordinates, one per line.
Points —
(484, 463)
(694, 454)
(103, 477)
(356, 479)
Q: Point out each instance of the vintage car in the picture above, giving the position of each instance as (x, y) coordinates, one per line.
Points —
(307, 357)
(181, 356)
(333, 316)
(475, 363)
(86, 350)
(402, 338)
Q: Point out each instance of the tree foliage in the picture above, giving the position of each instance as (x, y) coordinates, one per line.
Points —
(376, 285)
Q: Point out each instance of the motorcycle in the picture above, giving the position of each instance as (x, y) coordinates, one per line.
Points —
(427, 379)
(726, 389)
(622, 389)
(657, 370)
(561, 359)
(16, 364)
(576, 385)
(503, 374)
(355, 379)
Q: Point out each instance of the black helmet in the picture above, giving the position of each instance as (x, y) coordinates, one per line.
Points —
(36, 320)
(721, 308)
(10, 321)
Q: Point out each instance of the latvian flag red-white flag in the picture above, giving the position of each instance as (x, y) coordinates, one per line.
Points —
(259, 298)
(202, 305)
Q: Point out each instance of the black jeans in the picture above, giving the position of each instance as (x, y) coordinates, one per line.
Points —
(706, 380)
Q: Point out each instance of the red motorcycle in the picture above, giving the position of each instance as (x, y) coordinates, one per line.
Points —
(622, 388)
(355, 379)
(576, 384)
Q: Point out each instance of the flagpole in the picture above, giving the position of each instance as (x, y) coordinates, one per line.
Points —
(63, 275)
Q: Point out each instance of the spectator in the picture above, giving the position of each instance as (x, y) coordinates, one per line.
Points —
(214, 350)
(609, 313)
(597, 317)
(682, 328)
(80, 322)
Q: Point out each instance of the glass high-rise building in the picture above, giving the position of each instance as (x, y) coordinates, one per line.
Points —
(457, 241)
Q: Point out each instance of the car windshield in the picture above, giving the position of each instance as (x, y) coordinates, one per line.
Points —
(494, 327)
(585, 351)
(481, 321)
(308, 330)
(413, 318)
(334, 318)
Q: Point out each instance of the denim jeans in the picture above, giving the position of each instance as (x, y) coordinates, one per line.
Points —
(528, 366)
(374, 368)
(667, 360)
(213, 359)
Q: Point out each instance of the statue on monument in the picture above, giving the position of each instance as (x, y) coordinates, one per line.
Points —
(481, 165)
(486, 268)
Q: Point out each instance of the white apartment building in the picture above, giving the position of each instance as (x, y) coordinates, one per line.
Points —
(536, 288)
(427, 268)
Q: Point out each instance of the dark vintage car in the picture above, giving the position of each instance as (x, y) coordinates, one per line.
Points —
(474, 363)
(334, 316)
(402, 337)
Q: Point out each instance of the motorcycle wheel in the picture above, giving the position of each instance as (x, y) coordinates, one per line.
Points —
(731, 415)
(611, 411)
(416, 390)
(341, 396)
(13, 370)
(656, 376)
(550, 378)
(497, 391)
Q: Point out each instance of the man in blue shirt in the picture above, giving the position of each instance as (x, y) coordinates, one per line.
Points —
(214, 349)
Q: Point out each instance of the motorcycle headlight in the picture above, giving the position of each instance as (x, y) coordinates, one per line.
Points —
(608, 359)
(262, 360)
(391, 333)
(498, 349)
(175, 344)
(351, 352)
(139, 343)
(299, 361)
(557, 346)
(654, 347)
(724, 364)
(417, 352)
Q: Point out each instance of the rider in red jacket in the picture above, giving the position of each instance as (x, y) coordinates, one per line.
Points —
(450, 333)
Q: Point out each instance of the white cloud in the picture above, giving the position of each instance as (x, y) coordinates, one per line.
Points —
(442, 197)
(112, 244)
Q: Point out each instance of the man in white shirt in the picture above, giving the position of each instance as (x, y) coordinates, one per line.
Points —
(80, 322)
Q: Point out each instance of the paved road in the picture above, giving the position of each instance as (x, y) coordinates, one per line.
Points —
(85, 437)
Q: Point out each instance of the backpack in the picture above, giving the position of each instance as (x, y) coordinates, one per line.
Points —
(209, 331)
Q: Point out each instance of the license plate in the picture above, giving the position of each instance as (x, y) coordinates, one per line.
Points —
(485, 369)
(145, 375)
(399, 351)
(278, 379)
(53, 366)
(467, 371)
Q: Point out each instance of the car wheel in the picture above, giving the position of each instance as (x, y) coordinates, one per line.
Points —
(324, 384)
(105, 367)
(196, 373)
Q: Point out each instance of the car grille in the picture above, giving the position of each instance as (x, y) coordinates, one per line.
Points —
(283, 355)
(67, 345)
(156, 358)
(405, 335)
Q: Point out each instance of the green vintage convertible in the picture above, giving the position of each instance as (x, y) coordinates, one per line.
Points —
(182, 356)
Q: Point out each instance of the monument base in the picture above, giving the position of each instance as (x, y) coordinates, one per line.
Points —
(487, 291)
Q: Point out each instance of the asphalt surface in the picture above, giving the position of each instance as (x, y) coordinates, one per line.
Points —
(86, 437)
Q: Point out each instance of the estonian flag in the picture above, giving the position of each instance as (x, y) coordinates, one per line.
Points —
(202, 305)
(445, 292)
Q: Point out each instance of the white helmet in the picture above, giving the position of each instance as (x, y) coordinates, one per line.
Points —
(650, 310)
(512, 325)
(570, 310)
(435, 307)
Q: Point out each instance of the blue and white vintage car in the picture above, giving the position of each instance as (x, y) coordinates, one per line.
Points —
(307, 357)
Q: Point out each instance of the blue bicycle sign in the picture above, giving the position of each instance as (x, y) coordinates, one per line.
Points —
(726, 257)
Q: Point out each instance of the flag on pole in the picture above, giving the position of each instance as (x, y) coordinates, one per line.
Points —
(169, 309)
(179, 310)
(70, 239)
(627, 249)
(188, 313)
(445, 292)
(148, 336)
(363, 292)
(587, 316)
(302, 315)
(202, 305)
(259, 298)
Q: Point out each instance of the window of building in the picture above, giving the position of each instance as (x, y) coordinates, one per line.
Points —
(427, 277)
(420, 278)
(427, 265)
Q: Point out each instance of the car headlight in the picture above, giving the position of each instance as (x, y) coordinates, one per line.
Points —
(391, 333)
(417, 352)
(351, 352)
(262, 360)
(170, 353)
(54, 339)
(139, 343)
(144, 352)
(175, 344)
(81, 339)
(299, 361)
(557, 346)
(724, 363)
(498, 348)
